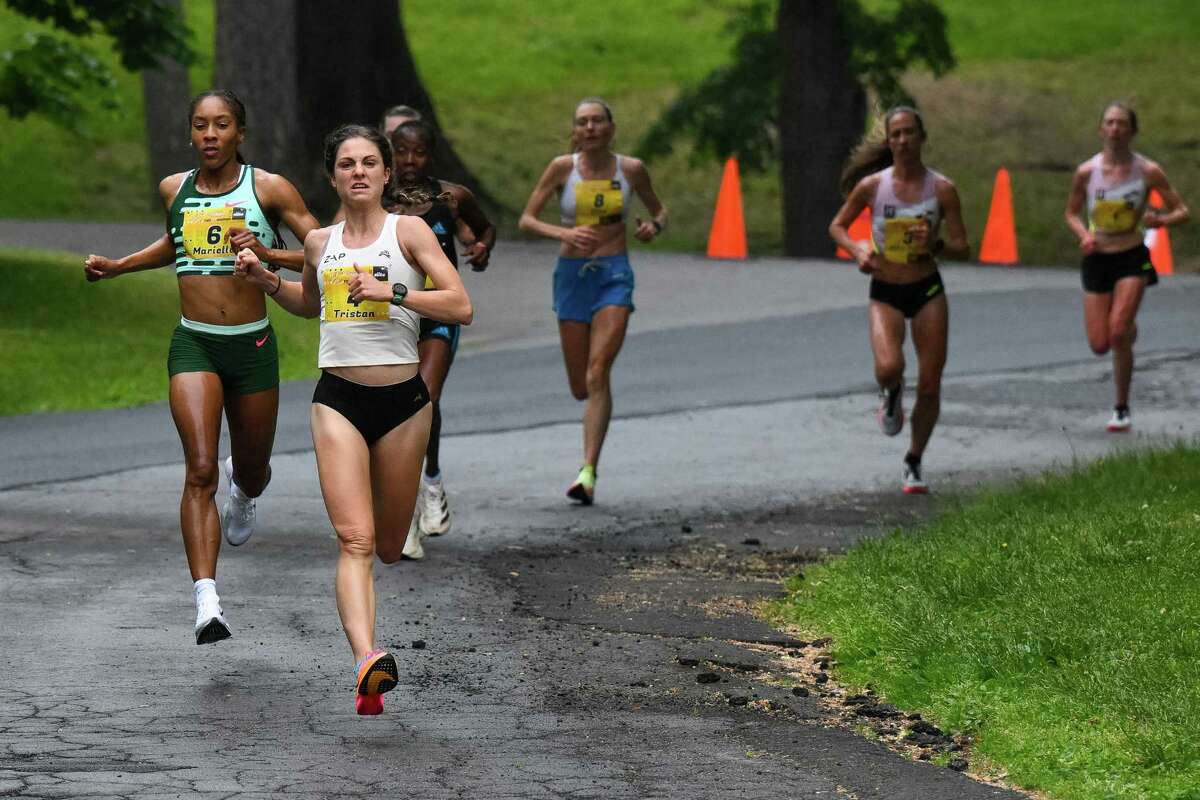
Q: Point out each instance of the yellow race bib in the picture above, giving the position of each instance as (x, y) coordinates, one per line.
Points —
(335, 287)
(598, 202)
(1114, 216)
(898, 243)
(206, 231)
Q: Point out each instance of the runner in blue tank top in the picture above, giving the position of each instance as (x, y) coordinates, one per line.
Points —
(908, 202)
(443, 205)
(223, 352)
(593, 281)
(1115, 184)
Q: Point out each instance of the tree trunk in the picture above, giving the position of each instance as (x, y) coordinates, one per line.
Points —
(165, 95)
(821, 116)
(313, 80)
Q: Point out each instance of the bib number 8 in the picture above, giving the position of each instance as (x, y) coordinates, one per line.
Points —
(599, 202)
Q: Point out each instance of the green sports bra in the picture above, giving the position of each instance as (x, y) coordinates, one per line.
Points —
(199, 225)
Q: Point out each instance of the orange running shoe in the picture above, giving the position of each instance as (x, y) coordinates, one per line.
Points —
(377, 673)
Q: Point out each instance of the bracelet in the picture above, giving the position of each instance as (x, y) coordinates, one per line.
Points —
(278, 286)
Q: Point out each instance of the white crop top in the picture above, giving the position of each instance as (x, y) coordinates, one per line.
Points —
(596, 202)
(371, 332)
(1116, 209)
(892, 220)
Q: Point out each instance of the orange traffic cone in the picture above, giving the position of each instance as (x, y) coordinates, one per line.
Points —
(727, 239)
(1159, 241)
(1000, 235)
(860, 231)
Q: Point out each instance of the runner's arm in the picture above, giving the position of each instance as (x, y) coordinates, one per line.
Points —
(296, 297)
(1075, 203)
(550, 181)
(639, 176)
(839, 229)
(159, 253)
(280, 197)
(954, 246)
(1174, 211)
(479, 250)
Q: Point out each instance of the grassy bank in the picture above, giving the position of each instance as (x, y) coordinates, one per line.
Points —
(101, 345)
(505, 76)
(1055, 621)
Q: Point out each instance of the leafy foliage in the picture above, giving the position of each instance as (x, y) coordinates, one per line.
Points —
(734, 110)
(49, 72)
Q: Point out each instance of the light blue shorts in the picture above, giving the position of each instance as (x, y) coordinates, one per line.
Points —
(583, 286)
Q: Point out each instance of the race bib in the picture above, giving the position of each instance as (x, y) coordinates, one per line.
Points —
(206, 230)
(598, 202)
(335, 288)
(898, 243)
(1114, 216)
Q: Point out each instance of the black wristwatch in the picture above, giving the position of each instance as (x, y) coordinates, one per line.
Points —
(399, 292)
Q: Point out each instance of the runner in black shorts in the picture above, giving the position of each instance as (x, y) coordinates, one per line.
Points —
(1115, 185)
(908, 202)
(223, 352)
(443, 205)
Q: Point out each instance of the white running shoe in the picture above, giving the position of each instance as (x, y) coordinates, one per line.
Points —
(210, 624)
(1120, 422)
(237, 517)
(891, 410)
(413, 549)
(911, 481)
(435, 511)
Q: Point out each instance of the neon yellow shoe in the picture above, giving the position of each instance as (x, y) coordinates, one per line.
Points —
(584, 487)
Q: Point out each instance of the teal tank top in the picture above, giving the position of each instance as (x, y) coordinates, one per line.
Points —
(199, 225)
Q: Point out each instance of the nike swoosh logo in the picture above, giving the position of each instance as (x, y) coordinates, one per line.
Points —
(262, 341)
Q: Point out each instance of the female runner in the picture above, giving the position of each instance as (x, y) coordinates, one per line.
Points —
(370, 414)
(1115, 183)
(908, 202)
(593, 281)
(442, 205)
(223, 352)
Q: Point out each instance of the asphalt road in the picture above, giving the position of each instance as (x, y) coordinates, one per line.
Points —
(564, 647)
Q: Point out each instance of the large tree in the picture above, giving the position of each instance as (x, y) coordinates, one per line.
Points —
(165, 95)
(303, 68)
(795, 92)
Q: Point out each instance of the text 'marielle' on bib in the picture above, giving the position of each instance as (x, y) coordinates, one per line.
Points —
(899, 246)
(598, 202)
(335, 283)
(206, 230)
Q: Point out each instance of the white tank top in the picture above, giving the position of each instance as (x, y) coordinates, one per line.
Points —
(892, 220)
(1116, 209)
(371, 332)
(598, 202)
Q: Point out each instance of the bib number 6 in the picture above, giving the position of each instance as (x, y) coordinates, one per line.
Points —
(214, 234)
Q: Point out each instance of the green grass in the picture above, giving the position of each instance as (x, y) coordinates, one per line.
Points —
(505, 77)
(66, 344)
(1055, 621)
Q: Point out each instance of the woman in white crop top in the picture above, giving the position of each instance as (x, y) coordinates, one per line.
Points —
(593, 280)
(908, 203)
(1115, 186)
(370, 413)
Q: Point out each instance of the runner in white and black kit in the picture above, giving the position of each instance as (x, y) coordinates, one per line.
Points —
(908, 203)
(370, 416)
(1115, 184)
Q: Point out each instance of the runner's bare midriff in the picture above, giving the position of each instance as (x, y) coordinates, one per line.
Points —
(1117, 242)
(220, 300)
(891, 272)
(376, 375)
(611, 241)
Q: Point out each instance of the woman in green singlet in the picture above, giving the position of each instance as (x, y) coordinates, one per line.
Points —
(1115, 185)
(223, 353)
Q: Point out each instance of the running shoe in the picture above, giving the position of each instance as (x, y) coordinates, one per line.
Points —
(911, 481)
(1120, 422)
(584, 487)
(377, 673)
(211, 625)
(435, 511)
(413, 549)
(891, 410)
(237, 517)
